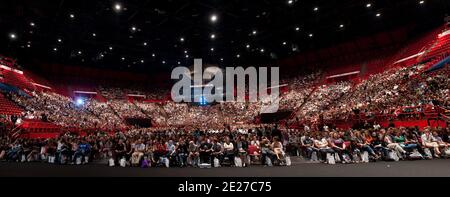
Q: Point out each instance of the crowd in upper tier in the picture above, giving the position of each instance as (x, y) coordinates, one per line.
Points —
(310, 99)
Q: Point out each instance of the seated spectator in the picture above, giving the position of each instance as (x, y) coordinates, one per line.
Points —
(427, 142)
(228, 147)
(138, 153)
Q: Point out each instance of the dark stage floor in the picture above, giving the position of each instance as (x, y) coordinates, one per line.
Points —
(437, 167)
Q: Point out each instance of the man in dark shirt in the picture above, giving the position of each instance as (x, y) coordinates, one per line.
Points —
(205, 151)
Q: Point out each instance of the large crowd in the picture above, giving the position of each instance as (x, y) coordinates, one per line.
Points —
(188, 134)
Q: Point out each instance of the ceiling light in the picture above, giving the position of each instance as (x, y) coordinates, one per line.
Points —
(421, 2)
(213, 18)
(316, 9)
(247, 46)
(32, 24)
(341, 26)
(28, 45)
(178, 63)
(93, 34)
(187, 56)
(72, 16)
(55, 49)
(213, 36)
(59, 40)
(212, 49)
(182, 39)
(185, 52)
(153, 55)
(238, 56)
(142, 61)
(122, 58)
(79, 52)
(117, 7)
(262, 50)
(284, 43)
(12, 36)
(163, 62)
(290, 1)
(297, 29)
(221, 59)
(368, 5)
(110, 48)
(145, 43)
(310, 35)
(378, 15)
(254, 32)
(133, 28)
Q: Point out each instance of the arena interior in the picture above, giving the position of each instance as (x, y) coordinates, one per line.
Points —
(85, 88)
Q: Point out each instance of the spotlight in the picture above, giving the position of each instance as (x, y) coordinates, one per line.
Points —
(79, 101)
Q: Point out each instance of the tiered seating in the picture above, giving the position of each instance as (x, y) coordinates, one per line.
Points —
(7, 107)
(17, 79)
(441, 46)
(411, 52)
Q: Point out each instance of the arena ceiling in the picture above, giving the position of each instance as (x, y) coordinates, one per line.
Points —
(143, 35)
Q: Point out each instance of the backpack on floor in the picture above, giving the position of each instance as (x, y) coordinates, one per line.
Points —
(269, 162)
(347, 158)
(288, 161)
(415, 155)
(238, 162)
(123, 162)
(216, 163)
(427, 153)
(365, 157)
(330, 159)
(111, 162)
(392, 156)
